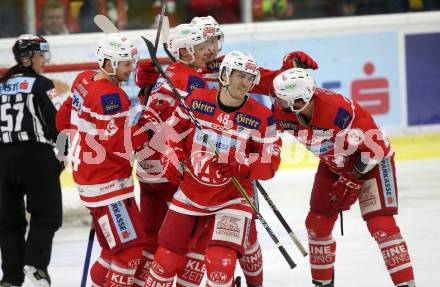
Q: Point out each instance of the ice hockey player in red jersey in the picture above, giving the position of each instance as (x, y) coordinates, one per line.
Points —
(97, 112)
(252, 261)
(264, 87)
(243, 132)
(188, 45)
(356, 164)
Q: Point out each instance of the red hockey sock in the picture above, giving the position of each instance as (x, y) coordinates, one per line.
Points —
(252, 264)
(120, 274)
(100, 268)
(193, 272)
(322, 247)
(220, 265)
(393, 248)
(142, 270)
(165, 266)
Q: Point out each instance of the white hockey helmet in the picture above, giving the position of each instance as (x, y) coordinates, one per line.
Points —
(210, 27)
(294, 84)
(116, 48)
(239, 61)
(185, 36)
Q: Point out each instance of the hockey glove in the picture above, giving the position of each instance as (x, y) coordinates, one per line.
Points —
(345, 191)
(173, 162)
(157, 111)
(298, 59)
(146, 74)
(163, 108)
(233, 168)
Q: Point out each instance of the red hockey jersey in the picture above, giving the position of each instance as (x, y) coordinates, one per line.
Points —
(249, 131)
(102, 156)
(340, 130)
(185, 79)
(67, 115)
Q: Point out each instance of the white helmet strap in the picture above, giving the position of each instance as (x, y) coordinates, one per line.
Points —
(191, 53)
(301, 109)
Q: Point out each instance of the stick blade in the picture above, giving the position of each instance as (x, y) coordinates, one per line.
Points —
(105, 24)
(150, 47)
(165, 29)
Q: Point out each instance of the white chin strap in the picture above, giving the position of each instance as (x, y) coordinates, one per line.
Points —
(193, 59)
(111, 73)
(299, 110)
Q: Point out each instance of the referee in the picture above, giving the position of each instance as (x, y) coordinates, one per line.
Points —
(29, 169)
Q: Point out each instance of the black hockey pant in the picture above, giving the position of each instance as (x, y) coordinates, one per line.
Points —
(29, 179)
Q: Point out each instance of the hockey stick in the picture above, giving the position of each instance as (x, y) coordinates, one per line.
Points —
(159, 26)
(166, 31)
(88, 255)
(206, 139)
(281, 219)
(105, 24)
(341, 220)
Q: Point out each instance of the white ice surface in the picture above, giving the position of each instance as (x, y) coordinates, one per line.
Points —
(358, 260)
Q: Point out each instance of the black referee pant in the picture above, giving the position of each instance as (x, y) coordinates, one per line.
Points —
(29, 180)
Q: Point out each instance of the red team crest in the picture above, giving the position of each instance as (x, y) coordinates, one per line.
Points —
(203, 169)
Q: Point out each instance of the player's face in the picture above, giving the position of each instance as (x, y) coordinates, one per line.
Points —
(240, 83)
(124, 70)
(202, 54)
(213, 42)
(38, 62)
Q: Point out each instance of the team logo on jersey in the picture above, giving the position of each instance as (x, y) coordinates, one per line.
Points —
(342, 119)
(204, 171)
(247, 120)
(17, 85)
(111, 103)
(214, 65)
(195, 83)
(288, 125)
(203, 107)
(77, 101)
(122, 222)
